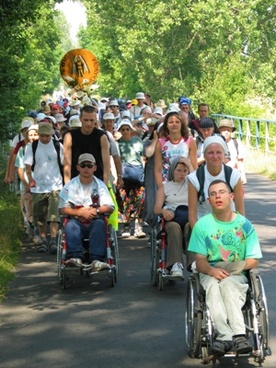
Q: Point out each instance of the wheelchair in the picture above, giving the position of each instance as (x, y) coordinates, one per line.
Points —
(158, 255)
(112, 257)
(200, 329)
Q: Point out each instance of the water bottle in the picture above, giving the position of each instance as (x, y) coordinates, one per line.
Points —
(95, 199)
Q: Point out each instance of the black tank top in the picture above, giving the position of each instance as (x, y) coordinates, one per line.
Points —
(87, 144)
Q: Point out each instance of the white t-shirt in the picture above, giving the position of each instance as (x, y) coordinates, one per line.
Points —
(46, 171)
(205, 208)
(176, 194)
(233, 152)
(15, 140)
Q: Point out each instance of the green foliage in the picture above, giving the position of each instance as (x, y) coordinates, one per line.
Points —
(32, 45)
(222, 52)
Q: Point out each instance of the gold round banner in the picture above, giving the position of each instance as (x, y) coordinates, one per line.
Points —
(79, 68)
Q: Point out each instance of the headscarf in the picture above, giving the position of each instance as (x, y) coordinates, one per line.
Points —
(176, 160)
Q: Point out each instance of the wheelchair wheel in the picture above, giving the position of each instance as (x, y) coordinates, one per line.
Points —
(64, 279)
(261, 337)
(194, 316)
(160, 282)
(59, 254)
(115, 250)
(153, 255)
(113, 277)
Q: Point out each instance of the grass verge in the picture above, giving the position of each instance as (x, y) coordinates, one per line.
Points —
(259, 163)
(11, 233)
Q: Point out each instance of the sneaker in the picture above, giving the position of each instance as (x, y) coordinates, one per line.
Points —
(126, 233)
(37, 240)
(177, 270)
(74, 262)
(43, 247)
(221, 347)
(98, 266)
(139, 233)
(242, 345)
(53, 248)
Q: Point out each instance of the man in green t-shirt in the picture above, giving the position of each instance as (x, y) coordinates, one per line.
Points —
(226, 245)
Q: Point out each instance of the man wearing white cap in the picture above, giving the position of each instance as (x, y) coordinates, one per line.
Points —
(136, 109)
(114, 106)
(84, 199)
(43, 160)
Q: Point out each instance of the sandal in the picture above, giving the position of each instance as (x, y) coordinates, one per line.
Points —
(242, 345)
(220, 347)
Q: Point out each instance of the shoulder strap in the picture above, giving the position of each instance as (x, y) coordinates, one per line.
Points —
(34, 147)
(57, 148)
(228, 172)
(200, 174)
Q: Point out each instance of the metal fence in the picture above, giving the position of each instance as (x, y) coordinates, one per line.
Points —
(256, 133)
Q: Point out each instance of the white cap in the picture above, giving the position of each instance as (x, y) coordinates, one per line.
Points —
(140, 96)
(125, 122)
(108, 116)
(113, 103)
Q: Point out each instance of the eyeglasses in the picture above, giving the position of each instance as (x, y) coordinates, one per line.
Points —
(89, 166)
(220, 193)
(125, 129)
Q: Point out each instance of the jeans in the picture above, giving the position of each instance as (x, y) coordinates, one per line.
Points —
(225, 300)
(95, 231)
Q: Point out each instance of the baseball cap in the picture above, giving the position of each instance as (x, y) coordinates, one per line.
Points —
(86, 157)
(26, 122)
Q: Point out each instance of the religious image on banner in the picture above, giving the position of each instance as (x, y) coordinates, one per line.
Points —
(79, 68)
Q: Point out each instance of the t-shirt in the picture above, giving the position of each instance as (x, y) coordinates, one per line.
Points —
(225, 241)
(205, 208)
(78, 194)
(171, 150)
(234, 155)
(46, 170)
(176, 194)
(131, 151)
(19, 163)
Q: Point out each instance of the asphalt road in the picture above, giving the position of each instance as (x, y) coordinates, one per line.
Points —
(131, 325)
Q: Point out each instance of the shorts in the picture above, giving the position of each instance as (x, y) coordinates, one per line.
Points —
(45, 207)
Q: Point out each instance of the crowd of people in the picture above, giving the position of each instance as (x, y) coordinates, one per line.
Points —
(146, 160)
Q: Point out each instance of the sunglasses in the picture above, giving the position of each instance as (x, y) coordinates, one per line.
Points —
(89, 166)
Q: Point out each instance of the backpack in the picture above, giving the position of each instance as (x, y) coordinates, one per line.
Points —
(200, 174)
(57, 148)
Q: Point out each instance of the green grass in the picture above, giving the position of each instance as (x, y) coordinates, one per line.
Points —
(11, 233)
(259, 163)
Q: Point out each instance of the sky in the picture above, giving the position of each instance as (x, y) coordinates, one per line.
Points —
(75, 15)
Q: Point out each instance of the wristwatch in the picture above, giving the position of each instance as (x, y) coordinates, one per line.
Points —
(98, 211)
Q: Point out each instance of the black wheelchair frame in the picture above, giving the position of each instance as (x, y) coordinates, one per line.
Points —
(199, 325)
(112, 255)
